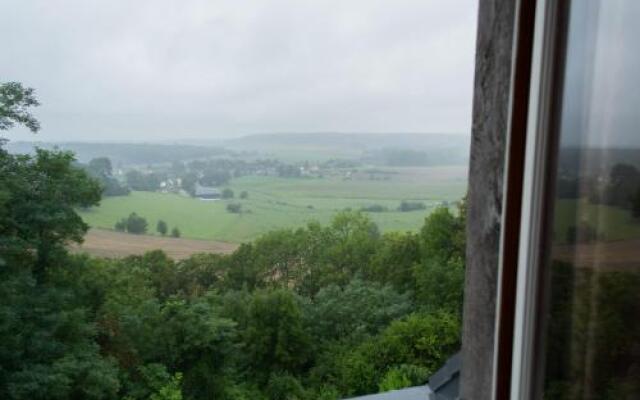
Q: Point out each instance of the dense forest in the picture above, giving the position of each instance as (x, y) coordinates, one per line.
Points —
(321, 312)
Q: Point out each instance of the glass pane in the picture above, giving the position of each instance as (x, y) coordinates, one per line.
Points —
(593, 316)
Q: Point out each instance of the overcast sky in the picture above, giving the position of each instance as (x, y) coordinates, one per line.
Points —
(178, 69)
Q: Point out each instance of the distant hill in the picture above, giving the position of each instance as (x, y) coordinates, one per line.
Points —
(386, 149)
(370, 147)
(124, 153)
(363, 141)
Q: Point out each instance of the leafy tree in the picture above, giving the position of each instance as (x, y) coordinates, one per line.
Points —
(15, 101)
(38, 198)
(353, 241)
(101, 169)
(171, 390)
(227, 193)
(198, 342)
(394, 260)
(402, 376)
(136, 224)
(47, 346)
(355, 312)
(284, 387)
(161, 227)
(394, 379)
(276, 258)
(440, 285)
(188, 183)
(144, 182)
(175, 232)
(275, 339)
(439, 235)
(421, 340)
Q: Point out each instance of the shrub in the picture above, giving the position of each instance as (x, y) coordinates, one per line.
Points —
(235, 208)
(136, 224)
(244, 194)
(162, 227)
(175, 232)
(227, 194)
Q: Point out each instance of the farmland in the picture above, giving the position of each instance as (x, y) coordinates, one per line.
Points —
(275, 202)
(613, 223)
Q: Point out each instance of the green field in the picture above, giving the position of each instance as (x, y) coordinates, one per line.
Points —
(612, 223)
(284, 202)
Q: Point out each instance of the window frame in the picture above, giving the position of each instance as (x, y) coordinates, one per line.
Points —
(536, 85)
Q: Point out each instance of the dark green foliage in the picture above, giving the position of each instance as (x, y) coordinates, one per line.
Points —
(354, 312)
(284, 387)
(275, 339)
(442, 235)
(227, 193)
(244, 195)
(215, 177)
(374, 208)
(235, 208)
(175, 232)
(136, 224)
(101, 169)
(15, 100)
(38, 198)
(394, 260)
(406, 206)
(148, 182)
(189, 182)
(421, 340)
(162, 228)
(439, 285)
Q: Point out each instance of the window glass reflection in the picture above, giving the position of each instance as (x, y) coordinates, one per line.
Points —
(593, 317)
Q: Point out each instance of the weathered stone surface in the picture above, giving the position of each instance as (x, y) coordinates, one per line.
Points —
(490, 116)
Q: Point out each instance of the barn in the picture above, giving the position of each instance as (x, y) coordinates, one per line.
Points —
(207, 193)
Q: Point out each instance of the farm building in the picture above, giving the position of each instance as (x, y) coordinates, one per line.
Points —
(207, 192)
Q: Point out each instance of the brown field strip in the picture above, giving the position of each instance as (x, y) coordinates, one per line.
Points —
(104, 243)
(613, 255)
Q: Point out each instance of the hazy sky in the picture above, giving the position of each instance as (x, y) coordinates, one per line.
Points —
(176, 69)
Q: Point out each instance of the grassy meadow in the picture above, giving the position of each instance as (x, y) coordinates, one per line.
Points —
(288, 203)
(613, 223)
